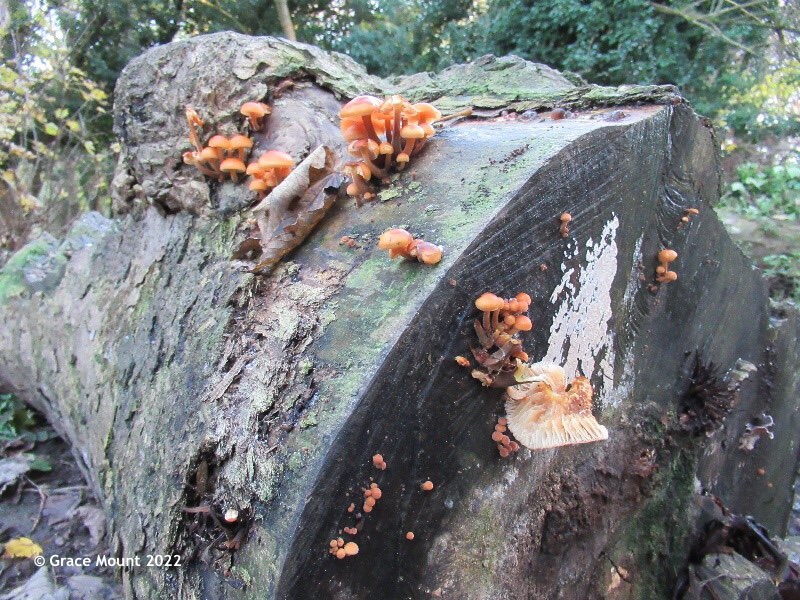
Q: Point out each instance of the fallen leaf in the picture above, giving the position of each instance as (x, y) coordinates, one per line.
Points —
(13, 468)
(94, 519)
(290, 211)
(22, 548)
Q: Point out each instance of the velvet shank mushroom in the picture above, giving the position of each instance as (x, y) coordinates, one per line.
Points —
(543, 413)
(255, 113)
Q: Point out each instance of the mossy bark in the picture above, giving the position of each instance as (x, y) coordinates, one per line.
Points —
(154, 353)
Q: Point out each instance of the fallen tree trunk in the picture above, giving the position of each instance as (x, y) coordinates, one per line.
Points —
(181, 380)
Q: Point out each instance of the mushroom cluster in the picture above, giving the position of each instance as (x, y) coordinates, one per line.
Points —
(269, 170)
(371, 495)
(223, 156)
(505, 445)
(502, 321)
(382, 136)
(399, 242)
(341, 550)
(543, 412)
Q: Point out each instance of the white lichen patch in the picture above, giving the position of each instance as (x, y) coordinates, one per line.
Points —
(580, 339)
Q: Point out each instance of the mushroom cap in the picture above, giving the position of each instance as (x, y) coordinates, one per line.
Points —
(427, 112)
(359, 107)
(427, 253)
(428, 129)
(541, 415)
(523, 297)
(356, 125)
(395, 239)
(412, 132)
(190, 157)
(256, 169)
(523, 323)
(488, 302)
(255, 109)
(232, 165)
(565, 217)
(403, 158)
(351, 548)
(668, 276)
(392, 103)
(219, 141)
(240, 141)
(385, 148)
(667, 255)
(208, 153)
(274, 159)
(258, 185)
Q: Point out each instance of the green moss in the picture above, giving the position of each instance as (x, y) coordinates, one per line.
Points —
(12, 279)
(657, 537)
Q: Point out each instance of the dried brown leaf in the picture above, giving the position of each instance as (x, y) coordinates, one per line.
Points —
(289, 213)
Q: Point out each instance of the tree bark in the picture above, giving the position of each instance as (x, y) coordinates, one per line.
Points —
(161, 360)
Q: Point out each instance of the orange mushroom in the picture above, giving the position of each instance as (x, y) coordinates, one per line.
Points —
(427, 486)
(565, 219)
(255, 113)
(663, 274)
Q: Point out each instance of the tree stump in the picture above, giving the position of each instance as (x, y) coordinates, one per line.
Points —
(180, 379)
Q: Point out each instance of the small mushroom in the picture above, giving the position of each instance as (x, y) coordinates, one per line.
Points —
(233, 166)
(239, 144)
(663, 274)
(565, 219)
(255, 113)
(362, 107)
(427, 486)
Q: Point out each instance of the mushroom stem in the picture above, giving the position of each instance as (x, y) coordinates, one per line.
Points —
(194, 120)
(373, 135)
(396, 128)
(375, 169)
(486, 324)
(495, 320)
(461, 113)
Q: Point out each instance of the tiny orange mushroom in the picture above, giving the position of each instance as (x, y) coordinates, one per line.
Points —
(427, 486)
(255, 113)
(565, 219)
(663, 274)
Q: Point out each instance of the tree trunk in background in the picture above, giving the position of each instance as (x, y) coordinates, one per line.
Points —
(160, 359)
(286, 20)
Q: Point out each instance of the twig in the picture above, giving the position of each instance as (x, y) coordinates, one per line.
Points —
(42, 500)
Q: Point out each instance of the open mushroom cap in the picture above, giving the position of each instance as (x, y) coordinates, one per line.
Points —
(255, 109)
(667, 255)
(489, 302)
(219, 141)
(275, 159)
(359, 106)
(412, 132)
(240, 141)
(427, 112)
(208, 154)
(395, 239)
(232, 165)
(427, 253)
(544, 416)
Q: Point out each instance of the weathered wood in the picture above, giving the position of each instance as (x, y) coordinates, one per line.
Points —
(153, 353)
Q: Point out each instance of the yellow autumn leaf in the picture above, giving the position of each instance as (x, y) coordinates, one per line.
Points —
(22, 548)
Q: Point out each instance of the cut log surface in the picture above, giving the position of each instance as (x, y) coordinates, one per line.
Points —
(156, 355)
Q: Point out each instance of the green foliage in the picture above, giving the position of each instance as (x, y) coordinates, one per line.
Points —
(54, 126)
(784, 270)
(766, 191)
(14, 417)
